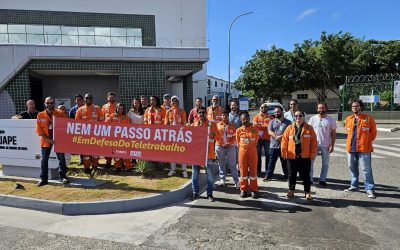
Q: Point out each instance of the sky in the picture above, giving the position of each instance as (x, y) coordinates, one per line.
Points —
(285, 22)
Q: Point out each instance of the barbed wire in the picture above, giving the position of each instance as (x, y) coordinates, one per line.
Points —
(373, 78)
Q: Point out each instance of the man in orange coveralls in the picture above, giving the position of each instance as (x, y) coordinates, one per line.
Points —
(44, 129)
(246, 138)
(108, 109)
(89, 112)
(120, 117)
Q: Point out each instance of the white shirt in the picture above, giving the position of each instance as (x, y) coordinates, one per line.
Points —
(323, 128)
(135, 119)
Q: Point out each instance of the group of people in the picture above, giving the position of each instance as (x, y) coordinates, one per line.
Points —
(233, 142)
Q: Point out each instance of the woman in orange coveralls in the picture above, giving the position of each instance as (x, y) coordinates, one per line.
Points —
(246, 138)
(120, 117)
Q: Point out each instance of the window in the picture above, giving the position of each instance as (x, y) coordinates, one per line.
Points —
(222, 85)
(216, 84)
(302, 96)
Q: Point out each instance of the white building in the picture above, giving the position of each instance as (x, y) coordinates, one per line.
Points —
(220, 87)
(132, 47)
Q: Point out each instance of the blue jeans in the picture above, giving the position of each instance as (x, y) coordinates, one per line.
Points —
(274, 153)
(62, 171)
(227, 156)
(324, 152)
(364, 161)
(260, 145)
(209, 174)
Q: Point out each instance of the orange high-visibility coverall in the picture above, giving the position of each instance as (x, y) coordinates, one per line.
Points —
(108, 109)
(211, 135)
(366, 132)
(214, 114)
(43, 123)
(261, 121)
(159, 116)
(90, 113)
(246, 138)
(120, 119)
(175, 116)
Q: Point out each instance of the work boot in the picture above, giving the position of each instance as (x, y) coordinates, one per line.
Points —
(86, 170)
(243, 194)
(42, 183)
(254, 195)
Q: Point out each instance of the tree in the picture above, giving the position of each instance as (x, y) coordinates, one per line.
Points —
(269, 74)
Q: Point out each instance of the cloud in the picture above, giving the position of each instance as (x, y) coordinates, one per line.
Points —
(305, 13)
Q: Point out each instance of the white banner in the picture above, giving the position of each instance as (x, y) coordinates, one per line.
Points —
(20, 145)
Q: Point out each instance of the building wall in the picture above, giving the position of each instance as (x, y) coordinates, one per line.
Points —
(135, 79)
(179, 23)
(309, 104)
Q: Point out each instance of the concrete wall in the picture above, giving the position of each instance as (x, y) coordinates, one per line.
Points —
(179, 23)
(68, 86)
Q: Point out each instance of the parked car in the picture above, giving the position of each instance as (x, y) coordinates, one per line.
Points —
(271, 107)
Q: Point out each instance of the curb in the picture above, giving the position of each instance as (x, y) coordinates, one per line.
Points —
(102, 207)
(388, 129)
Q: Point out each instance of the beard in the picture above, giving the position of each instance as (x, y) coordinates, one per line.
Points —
(322, 112)
(50, 107)
(279, 116)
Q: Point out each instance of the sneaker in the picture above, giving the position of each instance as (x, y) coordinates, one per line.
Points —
(222, 183)
(254, 195)
(308, 196)
(266, 178)
(86, 170)
(243, 194)
(184, 174)
(322, 183)
(171, 173)
(195, 196)
(237, 185)
(351, 189)
(211, 198)
(42, 183)
(64, 180)
(371, 194)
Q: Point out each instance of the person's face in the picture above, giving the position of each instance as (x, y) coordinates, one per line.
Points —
(234, 106)
(143, 100)
(264, 109)
(79, 101)
(49, 104)
(136, 104)
(202, 114)
(299, 117)
(214, 101)
(321, 109)
(30, 105)
(245, 118)
(225, 118)
(120, 109)
(199, 103)
(88, 99)
(111, 98)
(153, 101)
(175, 102)
(293, 106)
(278, 113)
(167, 101)
(355, 107)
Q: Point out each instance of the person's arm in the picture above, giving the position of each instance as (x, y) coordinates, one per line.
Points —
(333, 140)
(372, 128)
(284, 144)
(270, 131)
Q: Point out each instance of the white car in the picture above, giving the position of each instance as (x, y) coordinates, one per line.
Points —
(271, 107)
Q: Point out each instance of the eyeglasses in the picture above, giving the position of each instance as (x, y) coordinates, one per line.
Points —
(298, 116)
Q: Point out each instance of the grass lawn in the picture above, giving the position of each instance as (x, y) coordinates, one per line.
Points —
(123, 185)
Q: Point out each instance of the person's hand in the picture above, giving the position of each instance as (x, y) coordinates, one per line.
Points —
(331, 148)
(278, 138)
(50, 141)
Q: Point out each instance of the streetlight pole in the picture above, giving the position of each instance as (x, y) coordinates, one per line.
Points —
(229, 53)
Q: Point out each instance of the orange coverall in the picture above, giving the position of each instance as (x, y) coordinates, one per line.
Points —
(91, 113)
(175, 116)
(246, 138)
(158, 119)
(214, 114)
(109, 109)
(43, 123)
(120, 119)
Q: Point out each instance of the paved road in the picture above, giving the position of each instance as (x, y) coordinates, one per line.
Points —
(333, 220)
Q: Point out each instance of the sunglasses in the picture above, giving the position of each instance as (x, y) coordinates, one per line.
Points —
(202, 113)
(298, 116)
(89, 98)
(49, 102)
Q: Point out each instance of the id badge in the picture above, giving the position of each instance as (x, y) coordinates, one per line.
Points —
(50, 126)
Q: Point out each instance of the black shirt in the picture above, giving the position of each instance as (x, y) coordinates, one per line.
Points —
(28, 115)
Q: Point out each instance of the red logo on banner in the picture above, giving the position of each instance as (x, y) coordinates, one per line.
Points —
(153, 143)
